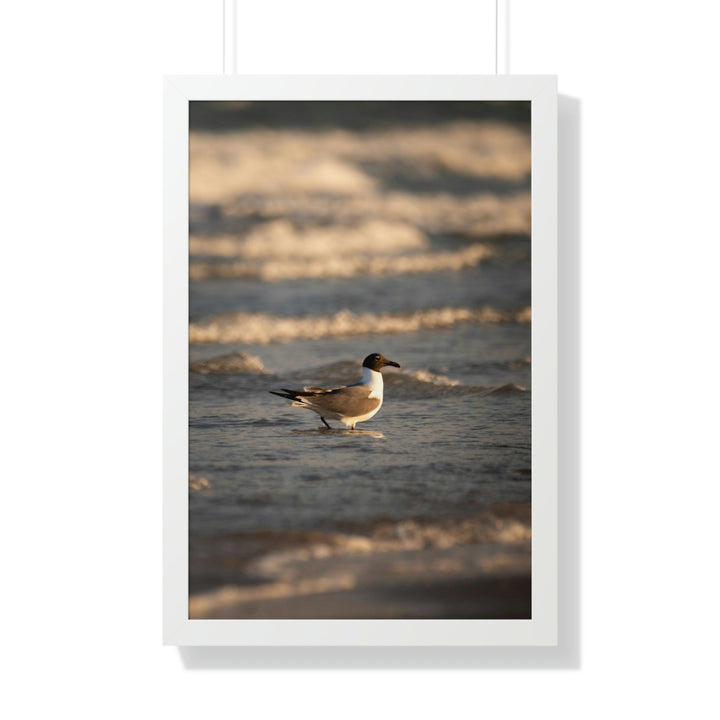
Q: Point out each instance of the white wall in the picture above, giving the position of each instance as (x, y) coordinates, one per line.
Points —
(81, 188)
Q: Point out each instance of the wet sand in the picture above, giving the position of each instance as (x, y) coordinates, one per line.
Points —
(488, 598)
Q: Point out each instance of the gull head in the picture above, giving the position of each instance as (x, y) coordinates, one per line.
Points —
(376, 361)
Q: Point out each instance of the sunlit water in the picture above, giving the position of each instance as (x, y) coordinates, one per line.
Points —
(437, 486)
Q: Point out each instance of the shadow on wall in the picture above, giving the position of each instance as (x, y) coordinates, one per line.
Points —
(567, 655)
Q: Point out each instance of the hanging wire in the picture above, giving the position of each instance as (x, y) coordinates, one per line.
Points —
(496, 36)
(229, 44)
(230, 11)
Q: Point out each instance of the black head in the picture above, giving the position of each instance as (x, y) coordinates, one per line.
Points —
(377, 362)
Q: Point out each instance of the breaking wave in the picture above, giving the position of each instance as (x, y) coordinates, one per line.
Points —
(342, 265)
(196, 482)
(261, 328)
(273, 161)
(237, 363)
(479, 215)
(283, 239)
(507, 389)
(402, 536)
(422, 384)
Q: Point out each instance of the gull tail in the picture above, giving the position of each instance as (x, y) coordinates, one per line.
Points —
(295, 394)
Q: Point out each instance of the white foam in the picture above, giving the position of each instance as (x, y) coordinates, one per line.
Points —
(195, 482)
(343, 265)
(262, 328)
(281, 239)
(425, 376)
(273, 161)
(231, 364)
(475, 215)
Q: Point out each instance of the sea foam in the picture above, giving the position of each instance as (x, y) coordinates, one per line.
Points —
(237, 363)
(262, 328)
(280, 251)
(340, 163)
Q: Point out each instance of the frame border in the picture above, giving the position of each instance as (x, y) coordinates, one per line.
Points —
(542, 629)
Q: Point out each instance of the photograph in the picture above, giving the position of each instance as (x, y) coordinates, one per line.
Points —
(360, 360)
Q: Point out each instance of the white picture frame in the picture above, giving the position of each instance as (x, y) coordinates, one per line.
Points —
(542, 629)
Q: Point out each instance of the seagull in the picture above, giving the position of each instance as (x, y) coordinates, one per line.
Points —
(350, 404)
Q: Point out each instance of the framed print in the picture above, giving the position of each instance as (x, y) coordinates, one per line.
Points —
(360, 361)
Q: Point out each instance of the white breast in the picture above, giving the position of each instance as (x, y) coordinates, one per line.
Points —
(374, 382)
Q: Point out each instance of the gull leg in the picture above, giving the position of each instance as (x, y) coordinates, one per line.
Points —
(325, 423)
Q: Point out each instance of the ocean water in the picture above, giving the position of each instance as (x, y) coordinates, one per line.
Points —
(320, 233)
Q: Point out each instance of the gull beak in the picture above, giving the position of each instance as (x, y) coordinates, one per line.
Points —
(393, 363)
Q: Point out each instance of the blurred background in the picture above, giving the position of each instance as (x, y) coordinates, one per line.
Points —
(321, 232)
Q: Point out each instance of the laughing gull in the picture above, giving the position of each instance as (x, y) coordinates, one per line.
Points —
(350, 404)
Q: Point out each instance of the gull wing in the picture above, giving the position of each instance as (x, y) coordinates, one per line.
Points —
(350, 401)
